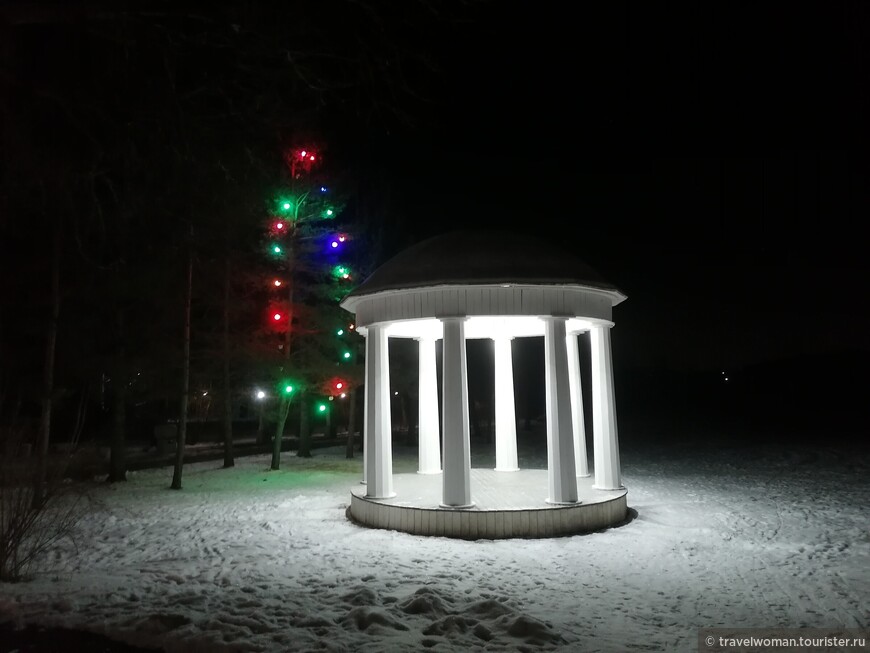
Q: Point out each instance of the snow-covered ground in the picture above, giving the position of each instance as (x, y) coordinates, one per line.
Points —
(252, 560)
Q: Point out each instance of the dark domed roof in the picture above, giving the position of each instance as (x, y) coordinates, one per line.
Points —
(481, 257)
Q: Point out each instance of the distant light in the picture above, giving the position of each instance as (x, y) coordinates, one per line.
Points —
(340, 332)
(328, 211)
(276, 249)
(276, 317)
(288, 389)
(339, 385)
(277, 282)
(343, 395)
(332, 398)
(334, 244)
(323, 189)
(345, 276)
(346, 355)
(350, 327)
(726, 378)
(260, 394)
(286, 206)
(396, 394)
(303, 153)
(341, 239)
(279, 225)
(321, 407)
(205, 394)
(311, 158)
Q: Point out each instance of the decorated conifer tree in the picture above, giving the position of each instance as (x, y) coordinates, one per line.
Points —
(306, 246)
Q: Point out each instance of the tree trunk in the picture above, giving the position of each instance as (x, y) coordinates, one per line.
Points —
(48, 373)
(229, 460)
(261, 431)
(331, 421)
(117, 443)
(284, 405)
(185, 378)
(351, 424)
(304, 426)
(278, 440)
(117, 460)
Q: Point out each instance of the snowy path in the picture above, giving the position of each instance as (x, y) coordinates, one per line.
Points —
(251, 560)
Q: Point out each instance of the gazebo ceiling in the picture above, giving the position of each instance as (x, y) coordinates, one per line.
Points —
(490, 326)
(474, 257)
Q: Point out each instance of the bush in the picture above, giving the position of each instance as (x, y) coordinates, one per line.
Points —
(29, 528)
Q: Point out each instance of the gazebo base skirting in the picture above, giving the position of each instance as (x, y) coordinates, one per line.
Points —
(506, 504)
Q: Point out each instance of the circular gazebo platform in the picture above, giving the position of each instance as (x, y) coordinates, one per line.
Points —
(506, 504)
(495, 286)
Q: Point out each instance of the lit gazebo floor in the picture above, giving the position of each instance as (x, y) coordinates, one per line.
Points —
(506, 504)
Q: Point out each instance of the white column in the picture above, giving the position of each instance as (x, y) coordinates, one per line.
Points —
(604, 433)
(365, 434)
(581, 464)
(456, 457)
(379, 458)
(429, 444)
(505, 412)
(560, 436)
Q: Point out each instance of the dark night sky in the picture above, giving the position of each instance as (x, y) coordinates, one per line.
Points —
(709, 159)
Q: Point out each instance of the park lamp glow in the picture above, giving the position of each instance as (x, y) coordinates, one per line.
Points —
(259, 395)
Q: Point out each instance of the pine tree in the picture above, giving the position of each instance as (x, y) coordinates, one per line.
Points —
(306, 245)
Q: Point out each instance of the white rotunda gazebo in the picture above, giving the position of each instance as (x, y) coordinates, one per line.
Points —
(499, 286)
